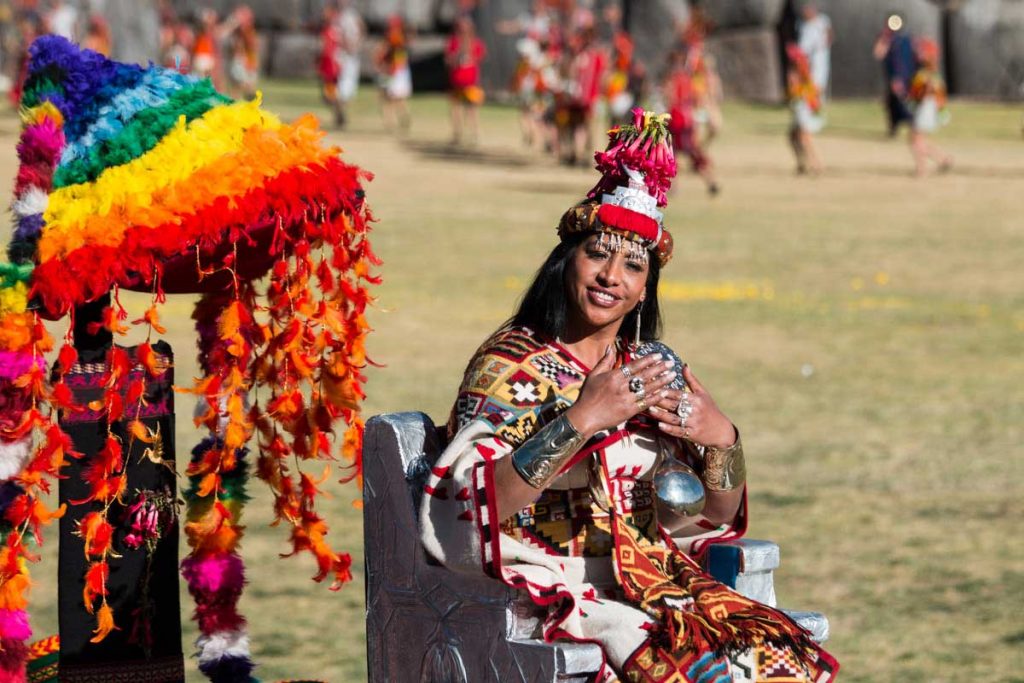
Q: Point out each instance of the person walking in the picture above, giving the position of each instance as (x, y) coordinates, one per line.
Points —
(394, 76)
(894, 48)
(927, 97)
(805, 103)
(463, 55)
(350, 32)
(814, 38)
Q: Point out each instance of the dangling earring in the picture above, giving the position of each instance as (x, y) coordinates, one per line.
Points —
(639, 316)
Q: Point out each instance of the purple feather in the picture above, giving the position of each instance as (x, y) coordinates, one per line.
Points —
(228, 669)
(29, 227)
(87, 79)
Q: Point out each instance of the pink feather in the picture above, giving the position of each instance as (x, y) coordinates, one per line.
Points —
(214, 574)
(41, 143)
(14, 624)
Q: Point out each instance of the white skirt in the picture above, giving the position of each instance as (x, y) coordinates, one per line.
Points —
(806, 119)
(398, 86)
(927, 117)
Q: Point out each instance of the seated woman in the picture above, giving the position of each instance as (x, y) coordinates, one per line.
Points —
(565, 420)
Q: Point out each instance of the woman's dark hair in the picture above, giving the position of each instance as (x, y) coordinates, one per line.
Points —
(545, 308)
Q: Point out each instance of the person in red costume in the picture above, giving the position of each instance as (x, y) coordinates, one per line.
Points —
(587, 66)
(463, 55)
(681, 97)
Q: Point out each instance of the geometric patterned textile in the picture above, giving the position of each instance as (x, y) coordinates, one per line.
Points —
(590, 550)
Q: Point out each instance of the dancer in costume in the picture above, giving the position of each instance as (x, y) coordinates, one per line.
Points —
(97, 35)
(805, 104)
(681, 99)
(244, 68)
(814, 37)
(707, 91)
(581, 75)
(463, 55)
(177, 40)
(534, 75)
(394, 77)
(144, 178)
(620, 96)
(350, 32)
(207, 61)
(328, 66)
(566, 419)
(928, 102)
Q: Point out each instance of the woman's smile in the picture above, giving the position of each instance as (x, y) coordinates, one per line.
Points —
(602, 297)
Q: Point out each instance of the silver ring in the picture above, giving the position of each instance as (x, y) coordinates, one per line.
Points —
(636, 385)
(626, 372)
(684, 410)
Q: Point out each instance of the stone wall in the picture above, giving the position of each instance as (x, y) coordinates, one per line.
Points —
(134, 29)
(654, 22)
(988, 49)
(857, 24)
(745, 14)
(748, 63)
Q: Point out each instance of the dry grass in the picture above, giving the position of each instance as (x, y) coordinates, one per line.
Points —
(863, 328)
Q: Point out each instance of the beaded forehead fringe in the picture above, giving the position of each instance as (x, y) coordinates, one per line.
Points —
(614, 242)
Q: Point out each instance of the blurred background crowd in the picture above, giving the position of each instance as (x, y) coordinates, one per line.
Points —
(572, 66)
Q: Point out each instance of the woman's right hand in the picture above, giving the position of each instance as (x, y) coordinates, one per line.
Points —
(605, 399)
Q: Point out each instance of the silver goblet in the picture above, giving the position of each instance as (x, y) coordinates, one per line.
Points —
(679, 489)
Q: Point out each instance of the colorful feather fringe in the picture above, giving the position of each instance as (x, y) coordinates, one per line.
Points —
(146, 179)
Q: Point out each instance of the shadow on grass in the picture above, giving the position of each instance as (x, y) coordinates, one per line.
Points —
(551, 187)
(850, 171)
(445, 151)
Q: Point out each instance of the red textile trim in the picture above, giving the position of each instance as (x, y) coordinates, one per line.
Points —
(293, 196)
(492, 516)
(481, 520)
(629, 220)
(589, 448)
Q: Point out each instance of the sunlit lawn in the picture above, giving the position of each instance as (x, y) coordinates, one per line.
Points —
(864, 329)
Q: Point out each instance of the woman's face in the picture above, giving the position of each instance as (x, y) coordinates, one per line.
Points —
(604, 284)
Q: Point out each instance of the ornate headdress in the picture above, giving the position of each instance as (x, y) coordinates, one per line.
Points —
(146, 179)
(637, 169)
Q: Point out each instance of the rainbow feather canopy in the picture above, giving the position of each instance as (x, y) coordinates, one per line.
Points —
(144, 178)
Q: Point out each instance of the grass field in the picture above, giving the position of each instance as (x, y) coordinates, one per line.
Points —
(864, 329)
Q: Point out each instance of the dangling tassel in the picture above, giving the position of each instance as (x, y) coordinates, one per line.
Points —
(217, 474)
(639, 318)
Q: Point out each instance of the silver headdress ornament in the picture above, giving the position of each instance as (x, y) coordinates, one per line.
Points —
(635, 196)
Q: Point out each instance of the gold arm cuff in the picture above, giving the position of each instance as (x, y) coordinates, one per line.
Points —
(539, 460)
(725, 468)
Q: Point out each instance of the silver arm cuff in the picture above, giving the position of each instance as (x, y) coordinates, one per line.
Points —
(540, 459)
(725, 469)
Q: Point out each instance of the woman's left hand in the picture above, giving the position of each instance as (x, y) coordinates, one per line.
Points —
(706, 425)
